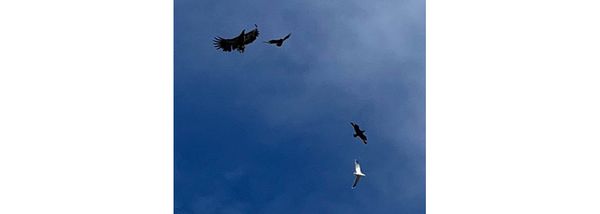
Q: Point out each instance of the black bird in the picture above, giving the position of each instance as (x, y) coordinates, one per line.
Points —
(279, 42)
(359, 133)
(238, 43)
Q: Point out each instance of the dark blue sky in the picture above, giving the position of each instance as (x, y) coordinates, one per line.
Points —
(267, 131)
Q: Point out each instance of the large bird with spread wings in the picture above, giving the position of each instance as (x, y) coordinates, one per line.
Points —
(279, 42)
(357, 173)
(238, 43)
(359, 133)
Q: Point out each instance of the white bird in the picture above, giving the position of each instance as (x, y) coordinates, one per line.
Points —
(357, 173)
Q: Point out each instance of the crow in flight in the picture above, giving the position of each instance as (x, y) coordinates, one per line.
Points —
(279, 42)
(359, 133)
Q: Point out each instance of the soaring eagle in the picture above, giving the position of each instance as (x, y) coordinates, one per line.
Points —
(238, 43)
(279, 42)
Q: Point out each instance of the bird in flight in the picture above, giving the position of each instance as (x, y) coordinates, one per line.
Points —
(238, 43)
(359, 133)
(279, 42)
(357, 174)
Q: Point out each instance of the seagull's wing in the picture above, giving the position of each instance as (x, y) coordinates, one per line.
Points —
(357, 167)
(356, 179)
(288, 36)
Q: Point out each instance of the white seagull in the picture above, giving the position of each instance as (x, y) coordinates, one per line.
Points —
(357, 173)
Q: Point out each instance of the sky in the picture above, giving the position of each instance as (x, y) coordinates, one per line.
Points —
(268, 131)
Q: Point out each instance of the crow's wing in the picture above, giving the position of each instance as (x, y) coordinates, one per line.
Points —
(363, 138)
(288, 36)
(357, 129)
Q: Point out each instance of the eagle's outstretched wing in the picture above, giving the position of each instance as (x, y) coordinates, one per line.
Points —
(251, 36)
(238, 43)
(228, 45)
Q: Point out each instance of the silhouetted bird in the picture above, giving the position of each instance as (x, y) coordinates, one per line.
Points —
(279, 42)
(238, 43)
(359, 133)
